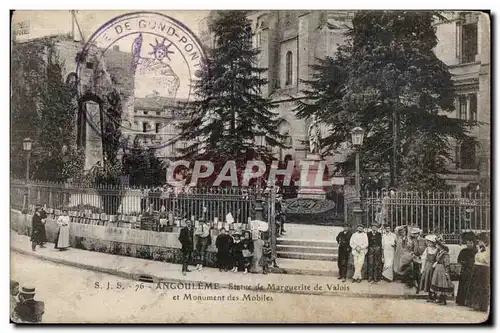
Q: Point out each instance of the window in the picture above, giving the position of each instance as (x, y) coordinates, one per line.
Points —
(144, 127)
(145, 112)
(259, 39)
(249, 33)
(468, 38)
(467, 155)
(89, 65)
(289, 64)
(157, 127)
(158, 113)
(462, 108)
(473, 107)
(288, 19)
(467, 107)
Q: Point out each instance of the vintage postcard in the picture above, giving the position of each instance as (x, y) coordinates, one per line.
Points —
(260, 166)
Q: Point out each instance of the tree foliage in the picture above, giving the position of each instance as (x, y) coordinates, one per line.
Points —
(43, 110)
(229, 110)
(387, 72)
(143, 167)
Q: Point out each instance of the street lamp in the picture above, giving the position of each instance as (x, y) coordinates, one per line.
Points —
(27, 143)
(357, 141)
(258, 202)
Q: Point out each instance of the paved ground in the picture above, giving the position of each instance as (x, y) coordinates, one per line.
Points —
(160, 271)
(73, 295)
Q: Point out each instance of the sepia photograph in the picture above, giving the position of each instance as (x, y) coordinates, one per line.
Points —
(250, 167)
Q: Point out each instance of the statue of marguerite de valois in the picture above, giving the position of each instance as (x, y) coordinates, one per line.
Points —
(314, 136)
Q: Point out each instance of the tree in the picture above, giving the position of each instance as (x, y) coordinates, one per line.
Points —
(144, 167)
(229, 111)
(42, 109)
(387, 79)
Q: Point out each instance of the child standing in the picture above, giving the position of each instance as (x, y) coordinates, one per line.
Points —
(247, 251)
(441, 283)
(236, 253)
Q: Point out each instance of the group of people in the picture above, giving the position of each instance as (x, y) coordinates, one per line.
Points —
(23, 307)
(233, 253)
(39, 234)
(371, 247)
(474, 284)
(247, 255)
(421, 262)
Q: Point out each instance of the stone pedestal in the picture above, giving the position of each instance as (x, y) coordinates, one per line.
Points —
(313, 189)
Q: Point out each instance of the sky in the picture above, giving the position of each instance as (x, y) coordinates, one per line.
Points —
(51, 22)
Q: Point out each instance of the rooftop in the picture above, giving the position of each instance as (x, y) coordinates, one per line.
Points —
(155, 102)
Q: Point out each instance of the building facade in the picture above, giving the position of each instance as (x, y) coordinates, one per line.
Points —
(291, 41)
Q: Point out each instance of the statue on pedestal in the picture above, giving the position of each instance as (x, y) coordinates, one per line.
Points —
(314, 137)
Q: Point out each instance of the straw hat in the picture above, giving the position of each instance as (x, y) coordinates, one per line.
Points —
(415, 231)
(431, 238)
(28, 291)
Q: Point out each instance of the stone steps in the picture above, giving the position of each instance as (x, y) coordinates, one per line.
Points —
(322, 250)
(307, 256)
(307, 249)
(308, 242)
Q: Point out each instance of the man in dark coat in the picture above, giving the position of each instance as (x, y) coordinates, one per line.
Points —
(28, 310)
(43, 215)
(343, 239)
(186, 237)
(374, 261)
(38, 236)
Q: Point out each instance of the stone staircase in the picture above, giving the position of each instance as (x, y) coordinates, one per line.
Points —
(307, 249)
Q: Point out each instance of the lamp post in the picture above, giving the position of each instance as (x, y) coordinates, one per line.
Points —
(259, 209)
(27, 143)
(357, 141)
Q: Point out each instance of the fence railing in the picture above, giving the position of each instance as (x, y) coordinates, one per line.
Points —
(207, 203)
(445, 213)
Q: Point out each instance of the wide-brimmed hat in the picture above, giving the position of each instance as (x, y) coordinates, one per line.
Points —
(28, 290)
(431, 238)
(415, 231)
(376, 225)
(360, 226)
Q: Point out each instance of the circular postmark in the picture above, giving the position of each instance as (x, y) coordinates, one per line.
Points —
(135, 78)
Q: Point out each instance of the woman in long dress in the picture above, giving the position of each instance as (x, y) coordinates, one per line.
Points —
(62, 241)
(466, 261)
(478, 296)
(403, 264)
(398, 251)
(388, 246)
(427, 267)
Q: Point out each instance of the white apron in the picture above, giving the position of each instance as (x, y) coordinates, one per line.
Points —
(62, 241)
(388, 246)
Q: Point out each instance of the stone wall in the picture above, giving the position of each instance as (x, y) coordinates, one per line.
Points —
(161, 246)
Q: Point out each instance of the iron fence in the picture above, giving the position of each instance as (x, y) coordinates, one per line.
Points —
(437, 212)
(212, 203)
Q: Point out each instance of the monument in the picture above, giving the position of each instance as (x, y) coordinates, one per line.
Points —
(311, 182)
